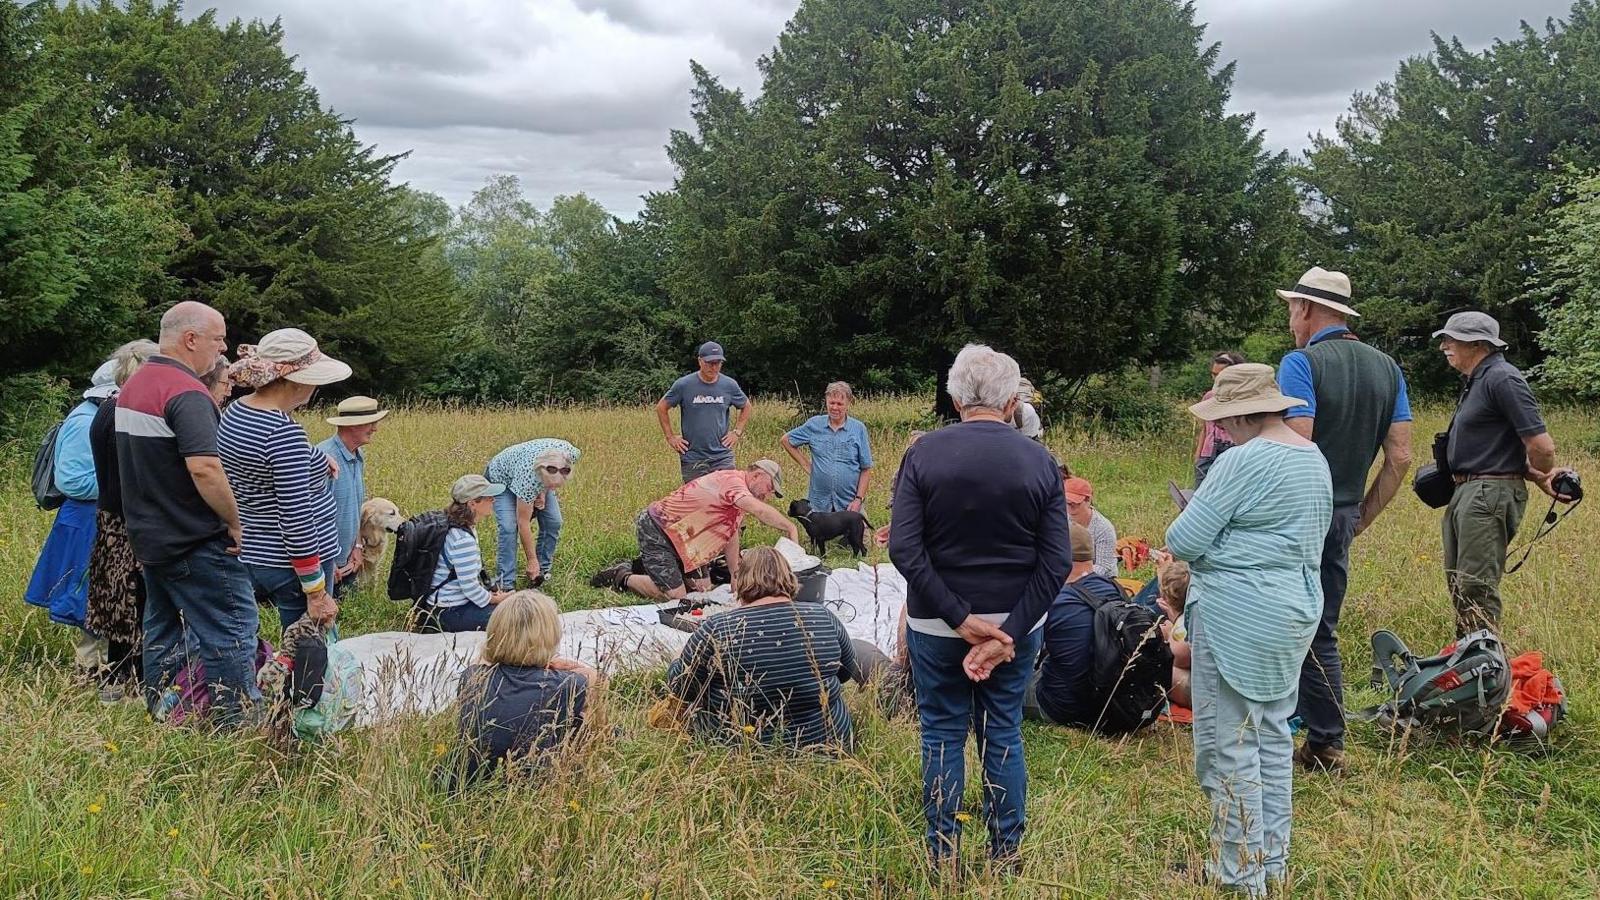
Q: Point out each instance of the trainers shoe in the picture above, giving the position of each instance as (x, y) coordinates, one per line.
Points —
(114, 693)
(1320, 759)
(614, 576)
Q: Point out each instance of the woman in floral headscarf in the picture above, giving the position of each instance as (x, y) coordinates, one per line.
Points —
(281, 483)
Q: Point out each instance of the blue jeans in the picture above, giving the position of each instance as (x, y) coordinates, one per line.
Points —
(1244, 759)
(282, 587)
(950, 704)
(505, 516)
(466, 617)
(206, 593)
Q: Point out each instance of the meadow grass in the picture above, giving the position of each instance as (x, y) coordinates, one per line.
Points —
(95, 801)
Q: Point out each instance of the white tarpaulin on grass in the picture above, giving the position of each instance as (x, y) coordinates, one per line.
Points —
(404, 674)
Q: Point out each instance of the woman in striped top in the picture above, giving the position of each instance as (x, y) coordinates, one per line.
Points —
(281, 483)
(1252, 536)
(464, 601)
(773, 669)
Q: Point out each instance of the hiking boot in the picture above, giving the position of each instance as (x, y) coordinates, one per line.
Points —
(113, 693)
(614, 576)
(1320, 759)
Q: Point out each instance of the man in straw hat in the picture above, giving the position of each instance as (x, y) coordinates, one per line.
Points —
(1253, 537)
(1356, 405)
(684, 531)
(357, 421)
(1497, 441)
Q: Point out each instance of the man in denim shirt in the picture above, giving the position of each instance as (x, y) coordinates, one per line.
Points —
(841, 461)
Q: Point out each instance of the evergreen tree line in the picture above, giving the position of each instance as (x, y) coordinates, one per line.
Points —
(1057, 177)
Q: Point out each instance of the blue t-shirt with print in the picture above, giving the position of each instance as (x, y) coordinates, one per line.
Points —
(705, 409)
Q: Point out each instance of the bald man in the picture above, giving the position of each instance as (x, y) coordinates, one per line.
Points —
(182, 519)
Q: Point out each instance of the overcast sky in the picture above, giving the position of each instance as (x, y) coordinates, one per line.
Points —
(579, 95)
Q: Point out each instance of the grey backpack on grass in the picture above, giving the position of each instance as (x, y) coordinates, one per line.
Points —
(1463, 691)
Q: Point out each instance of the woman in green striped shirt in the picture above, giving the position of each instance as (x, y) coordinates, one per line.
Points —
(1252, 536)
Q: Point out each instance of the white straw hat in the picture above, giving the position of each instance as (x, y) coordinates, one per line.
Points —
(1325, 288)
(357, 410)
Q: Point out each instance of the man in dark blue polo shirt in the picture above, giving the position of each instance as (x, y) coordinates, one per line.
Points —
(1356, 405)
(1497, 441)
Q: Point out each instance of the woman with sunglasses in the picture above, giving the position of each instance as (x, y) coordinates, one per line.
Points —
(532, 471)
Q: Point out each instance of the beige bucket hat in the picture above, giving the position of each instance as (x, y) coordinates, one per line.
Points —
(357, 410)
(1242, 390)
(1320, 286)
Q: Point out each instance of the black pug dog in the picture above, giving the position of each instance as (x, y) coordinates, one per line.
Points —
(823, 527)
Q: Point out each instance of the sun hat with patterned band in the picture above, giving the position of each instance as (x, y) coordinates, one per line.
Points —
(1242, 390)
(286, 353)
(1330, 289)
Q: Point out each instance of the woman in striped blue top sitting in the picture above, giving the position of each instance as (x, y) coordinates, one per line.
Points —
(1252, 536)
(281, 483)
(464, 601)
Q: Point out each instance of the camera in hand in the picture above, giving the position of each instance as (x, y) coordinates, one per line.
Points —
(1568, 484)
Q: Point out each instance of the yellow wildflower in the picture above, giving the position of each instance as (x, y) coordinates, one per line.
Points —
(172, 832)
(425, 845)
(86, 870)
(439, 749)
(95, 809)
(111, 746)
(829, 884)
(749, 729)
(573, 805)
(963, 817)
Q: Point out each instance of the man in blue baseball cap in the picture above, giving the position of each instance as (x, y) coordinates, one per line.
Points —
(705, 400)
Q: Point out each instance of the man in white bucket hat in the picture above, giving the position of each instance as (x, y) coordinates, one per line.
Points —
(1355, 404)
(357, 421)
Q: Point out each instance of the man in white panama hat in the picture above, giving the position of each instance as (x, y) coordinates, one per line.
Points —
(357, 421)
(1355, 405)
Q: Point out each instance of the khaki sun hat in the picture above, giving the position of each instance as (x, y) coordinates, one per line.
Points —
(357, 410)
(775, 473)
(287, 353)
(1082, 543)
(1242, 390)
(1330, 289)
(472, 487)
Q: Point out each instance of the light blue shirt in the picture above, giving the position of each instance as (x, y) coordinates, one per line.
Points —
(1294, 380)
(74, 463)
(838, 457)
(1252, 536)
(349, 492)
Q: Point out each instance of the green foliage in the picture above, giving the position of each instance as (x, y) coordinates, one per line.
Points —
(1567, 290)
(1122, 403)
(1436, 189)
(917, 174)
(291, 221)
(30, 403)
(82, 239)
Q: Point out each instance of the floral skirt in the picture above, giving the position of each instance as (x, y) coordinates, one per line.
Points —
(116, 584)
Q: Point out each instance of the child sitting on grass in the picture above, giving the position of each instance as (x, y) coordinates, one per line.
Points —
(1172, 580)
(521, 701)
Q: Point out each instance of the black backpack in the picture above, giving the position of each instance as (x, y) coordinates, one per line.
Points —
(1132, 667)
(45, 492)
(418, 543)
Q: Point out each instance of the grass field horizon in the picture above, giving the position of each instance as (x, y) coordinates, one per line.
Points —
(97, 802)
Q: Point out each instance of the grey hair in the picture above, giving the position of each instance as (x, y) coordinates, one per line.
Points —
(190, 315)
(129, 357)
(842, 388)
(983, 378)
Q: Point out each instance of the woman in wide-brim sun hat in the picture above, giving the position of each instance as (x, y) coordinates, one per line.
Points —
(1252, 535)
(282, 484)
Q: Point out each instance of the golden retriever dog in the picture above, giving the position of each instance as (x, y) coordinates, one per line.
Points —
(380, 517)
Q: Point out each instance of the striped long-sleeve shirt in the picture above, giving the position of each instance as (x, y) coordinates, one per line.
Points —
(1252, 536)
(461, 553)
(281, 484)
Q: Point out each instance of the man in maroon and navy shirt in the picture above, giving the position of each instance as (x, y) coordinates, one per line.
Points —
(182, 519)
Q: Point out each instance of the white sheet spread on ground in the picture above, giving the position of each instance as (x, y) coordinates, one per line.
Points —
(404, 674)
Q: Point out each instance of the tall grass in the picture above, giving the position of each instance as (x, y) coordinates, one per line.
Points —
(97, 802)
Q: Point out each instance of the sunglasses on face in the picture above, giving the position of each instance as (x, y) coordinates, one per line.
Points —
(557, 470)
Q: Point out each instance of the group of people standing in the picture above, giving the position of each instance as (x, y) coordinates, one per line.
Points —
(199, 510)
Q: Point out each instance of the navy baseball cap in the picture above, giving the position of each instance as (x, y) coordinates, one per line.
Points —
(711, 351)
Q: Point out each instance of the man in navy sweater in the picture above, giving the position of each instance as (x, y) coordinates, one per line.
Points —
(980, 534)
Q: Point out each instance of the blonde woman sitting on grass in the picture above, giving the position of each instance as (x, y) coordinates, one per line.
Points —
(772, 670)
(522, 701)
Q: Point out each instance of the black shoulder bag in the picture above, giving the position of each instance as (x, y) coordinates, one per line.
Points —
(1434, 484)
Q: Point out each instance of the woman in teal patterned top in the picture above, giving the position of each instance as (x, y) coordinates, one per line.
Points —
(1252, 536)
(531, 472)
